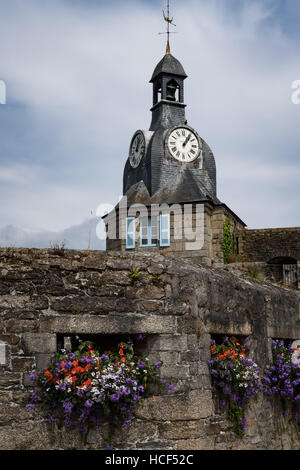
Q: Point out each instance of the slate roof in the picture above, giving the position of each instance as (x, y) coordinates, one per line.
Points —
(168, 64)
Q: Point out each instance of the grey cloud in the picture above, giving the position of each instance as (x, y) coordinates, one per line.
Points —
(78, 89)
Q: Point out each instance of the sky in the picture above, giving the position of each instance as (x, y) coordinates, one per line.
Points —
(77, 80)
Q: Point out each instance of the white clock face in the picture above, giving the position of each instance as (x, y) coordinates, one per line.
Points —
(137, 149)
(183, 145)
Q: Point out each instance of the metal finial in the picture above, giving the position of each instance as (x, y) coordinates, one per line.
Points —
(169, 21)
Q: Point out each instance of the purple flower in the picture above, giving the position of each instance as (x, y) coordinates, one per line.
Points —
(30, 406)
(67, 406)
(140, 337)
(32, 375)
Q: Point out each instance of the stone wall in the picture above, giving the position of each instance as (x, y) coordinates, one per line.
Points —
(266, 244)
(45, 294)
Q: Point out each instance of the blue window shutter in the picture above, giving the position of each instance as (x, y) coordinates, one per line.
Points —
(130, 232)
(144, 231)
(165, 230)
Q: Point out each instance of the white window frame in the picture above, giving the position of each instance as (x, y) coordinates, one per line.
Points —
(164, 233)
(130, 221)
(149, 234)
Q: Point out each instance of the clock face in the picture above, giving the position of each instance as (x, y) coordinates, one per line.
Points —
(137, 149)
(183, 145)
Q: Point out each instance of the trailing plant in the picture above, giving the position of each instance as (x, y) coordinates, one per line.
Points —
(227, 245)
(235, 378)
(282, 378)
(80, 388)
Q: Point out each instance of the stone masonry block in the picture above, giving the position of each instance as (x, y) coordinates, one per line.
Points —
(194, 405)
(175, 371)
(108, 324)
(195, 444)
(39, 343)
(181, 429)
(169, 342)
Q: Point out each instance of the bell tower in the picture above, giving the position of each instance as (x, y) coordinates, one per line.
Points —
(170, 169)
(168, 93)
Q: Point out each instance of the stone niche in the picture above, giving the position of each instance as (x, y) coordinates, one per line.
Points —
(47, 298)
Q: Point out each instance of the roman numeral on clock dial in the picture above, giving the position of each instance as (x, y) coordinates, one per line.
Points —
(183, 145)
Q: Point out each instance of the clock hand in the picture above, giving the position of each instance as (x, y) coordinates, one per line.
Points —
(187, 139)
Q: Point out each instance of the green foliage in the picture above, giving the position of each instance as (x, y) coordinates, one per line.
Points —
(254, 272)
(227, 245)
(134, 274)
(236, 415)
(156, 279)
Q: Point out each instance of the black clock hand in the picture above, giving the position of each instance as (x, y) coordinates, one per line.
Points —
(187, 139)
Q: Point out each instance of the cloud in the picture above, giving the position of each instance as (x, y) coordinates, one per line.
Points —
(82, 236)
(77, 89)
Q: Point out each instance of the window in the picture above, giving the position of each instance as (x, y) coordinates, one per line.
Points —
(148, 231)
(130, 232)
(2, 353)
(165, 230)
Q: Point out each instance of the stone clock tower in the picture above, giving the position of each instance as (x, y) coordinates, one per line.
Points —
(169, 182)
(170, 159)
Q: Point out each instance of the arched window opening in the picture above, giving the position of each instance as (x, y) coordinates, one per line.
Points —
(157, 93)
(172, 91)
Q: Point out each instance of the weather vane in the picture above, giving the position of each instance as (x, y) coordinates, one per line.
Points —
(168, 21)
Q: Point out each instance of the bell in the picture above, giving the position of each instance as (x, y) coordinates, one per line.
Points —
(171, 91)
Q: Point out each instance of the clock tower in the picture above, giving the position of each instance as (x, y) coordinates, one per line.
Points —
(170, 168)
(171, 152)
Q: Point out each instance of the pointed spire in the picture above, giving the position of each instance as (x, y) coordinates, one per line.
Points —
(168, 50)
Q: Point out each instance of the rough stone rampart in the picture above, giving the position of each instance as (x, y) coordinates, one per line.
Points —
(45, 294)
(267, 244)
